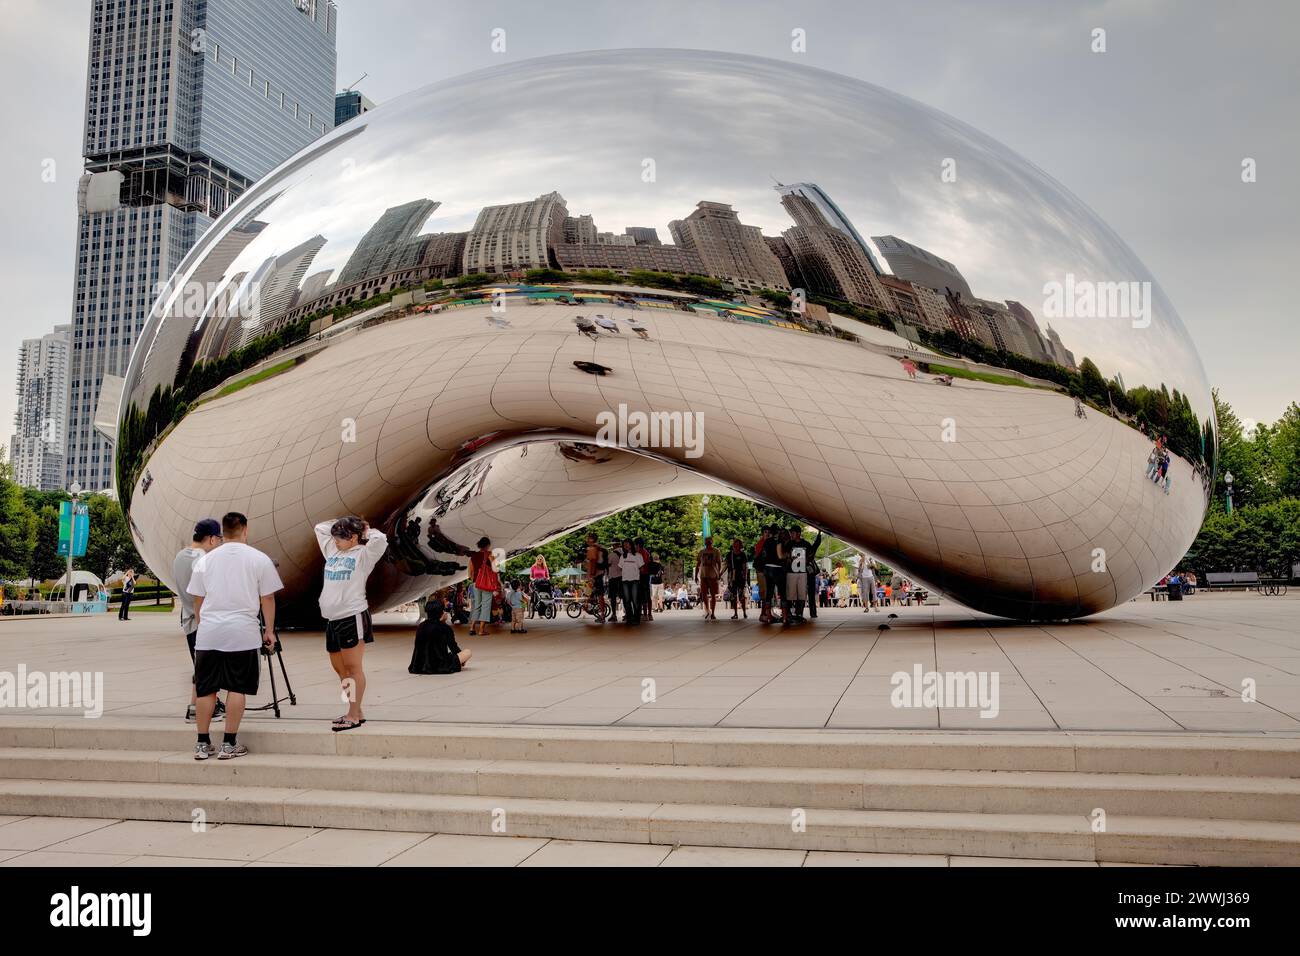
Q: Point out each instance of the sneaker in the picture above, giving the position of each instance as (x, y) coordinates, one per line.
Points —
(203, 751)
(220, 712)
(191, 714)
(231, 751)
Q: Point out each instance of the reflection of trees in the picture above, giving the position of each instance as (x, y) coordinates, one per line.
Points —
(140, 428)
(1153, 411)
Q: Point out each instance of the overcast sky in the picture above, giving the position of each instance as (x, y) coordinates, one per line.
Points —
(1150, 133)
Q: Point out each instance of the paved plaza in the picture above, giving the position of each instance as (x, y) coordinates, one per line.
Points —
(1144, 666)
(74, 841)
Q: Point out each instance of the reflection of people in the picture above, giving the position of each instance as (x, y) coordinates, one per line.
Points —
(351, 549)
(207, 535)
(230, 584)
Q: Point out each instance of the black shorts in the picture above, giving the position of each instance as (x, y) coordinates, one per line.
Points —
(598, 585)
(348, 632)
(189, 639)
(237, 671)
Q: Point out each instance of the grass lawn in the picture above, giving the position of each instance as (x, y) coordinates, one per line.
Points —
(978, 376)
(258, 377)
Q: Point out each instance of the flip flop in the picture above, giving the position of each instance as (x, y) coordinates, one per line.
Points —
(347, 725)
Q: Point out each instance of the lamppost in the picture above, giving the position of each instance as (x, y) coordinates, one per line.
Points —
(75, 490)
(1227, 480)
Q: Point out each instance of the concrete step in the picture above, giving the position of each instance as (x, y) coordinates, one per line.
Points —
(1260, 755)
(1041, 836)
(962, 791)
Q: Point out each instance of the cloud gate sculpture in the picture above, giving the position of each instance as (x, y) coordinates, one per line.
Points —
(520, 299)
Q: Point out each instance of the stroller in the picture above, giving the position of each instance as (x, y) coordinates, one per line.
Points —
(543, 599)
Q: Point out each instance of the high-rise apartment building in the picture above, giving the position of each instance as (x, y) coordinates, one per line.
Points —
(831, 257)
(830, 214)
(579, 230)
(187, 103)
(389, 244)
(516, 236)
(348, 104)
(729, 249)
(643, 235)
(921, 267)
(41, 422)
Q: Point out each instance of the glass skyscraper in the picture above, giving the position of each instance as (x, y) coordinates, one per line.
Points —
(187, 103)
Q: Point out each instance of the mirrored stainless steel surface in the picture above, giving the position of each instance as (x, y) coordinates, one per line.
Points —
(278, 375)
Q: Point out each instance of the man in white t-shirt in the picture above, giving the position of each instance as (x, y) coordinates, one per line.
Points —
(630, 564)
(230, 585)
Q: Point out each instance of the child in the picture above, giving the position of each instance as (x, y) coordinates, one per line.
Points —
(351, 552)
(436, 650)
(515, 601)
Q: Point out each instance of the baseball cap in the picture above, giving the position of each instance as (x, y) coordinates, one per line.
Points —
(207, 528)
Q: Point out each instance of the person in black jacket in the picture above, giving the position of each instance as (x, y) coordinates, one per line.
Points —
(128, 591)
(812, 575)
(436, 650)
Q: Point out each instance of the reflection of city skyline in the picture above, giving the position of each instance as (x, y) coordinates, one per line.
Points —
(822, 253)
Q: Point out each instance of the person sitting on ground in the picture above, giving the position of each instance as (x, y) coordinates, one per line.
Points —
(436, 650)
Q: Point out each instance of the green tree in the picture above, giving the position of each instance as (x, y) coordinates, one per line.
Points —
(1283, 458)
(47, 564)
(1245, 456)
(17, 531)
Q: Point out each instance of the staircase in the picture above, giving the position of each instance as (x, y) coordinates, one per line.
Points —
(1192, 799)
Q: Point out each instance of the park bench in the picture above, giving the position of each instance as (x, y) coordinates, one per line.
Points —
(1236, 580)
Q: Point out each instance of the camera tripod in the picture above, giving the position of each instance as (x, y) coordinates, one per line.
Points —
(274, 704)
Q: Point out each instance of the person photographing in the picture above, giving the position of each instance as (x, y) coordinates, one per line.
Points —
(351, 549)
